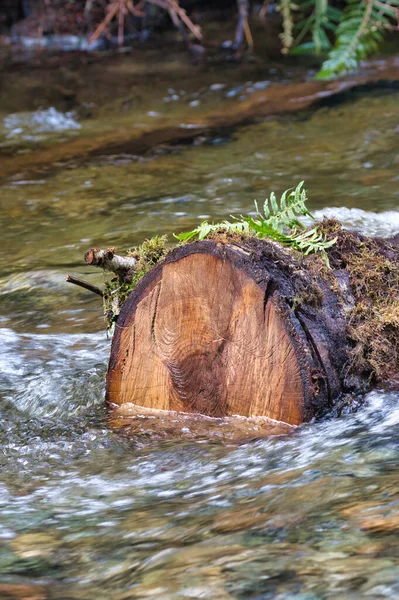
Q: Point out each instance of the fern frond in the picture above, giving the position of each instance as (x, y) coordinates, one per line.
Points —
(205, 229)
(279, 222)
(311, 241)
(307, 242)
(322, 18)
(320, 39)
(285, 215)
(264, 230)
(359, 33)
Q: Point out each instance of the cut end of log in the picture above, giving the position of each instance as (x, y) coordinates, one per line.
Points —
(209, 331)
(93, 255)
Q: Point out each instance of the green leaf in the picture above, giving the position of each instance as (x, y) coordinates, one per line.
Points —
(279, 222)
(273, 203)
(360, 31)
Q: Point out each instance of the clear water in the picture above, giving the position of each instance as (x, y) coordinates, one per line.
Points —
(86, 512)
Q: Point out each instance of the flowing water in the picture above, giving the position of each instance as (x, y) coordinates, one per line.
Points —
(88, 513)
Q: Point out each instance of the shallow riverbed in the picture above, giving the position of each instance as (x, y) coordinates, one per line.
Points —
(88, 513)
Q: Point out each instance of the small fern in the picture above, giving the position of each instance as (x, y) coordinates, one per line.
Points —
(285, 214)
(312, 241)
(306, 242)
(278, 222)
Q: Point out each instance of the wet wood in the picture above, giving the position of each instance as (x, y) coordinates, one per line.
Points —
(109, 261)
(213, 330)
(149, 423)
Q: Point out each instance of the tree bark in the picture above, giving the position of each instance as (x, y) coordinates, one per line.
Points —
(228, 328)
(109, 261)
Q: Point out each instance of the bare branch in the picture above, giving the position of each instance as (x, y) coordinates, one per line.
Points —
(109, 261)
(112, 12)
(85, 285)
(195, 30)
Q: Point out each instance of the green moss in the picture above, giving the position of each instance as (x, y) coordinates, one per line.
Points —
(372, 311)
(373, 321)
(117, 289)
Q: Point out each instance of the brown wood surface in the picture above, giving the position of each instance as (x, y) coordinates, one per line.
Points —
(212, 331)
(205, 340)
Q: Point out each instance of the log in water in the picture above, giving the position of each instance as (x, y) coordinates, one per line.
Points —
(224, 327)
(237, 325)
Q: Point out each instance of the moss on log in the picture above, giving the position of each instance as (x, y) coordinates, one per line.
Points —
(238, 325)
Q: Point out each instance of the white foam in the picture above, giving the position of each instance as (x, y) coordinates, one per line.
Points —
(47, 374)
(27, 124)
(369, 223)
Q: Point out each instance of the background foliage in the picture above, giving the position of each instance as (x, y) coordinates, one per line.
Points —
(340, 32)
(346, 33)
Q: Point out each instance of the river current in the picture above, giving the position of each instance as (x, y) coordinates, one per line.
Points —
(86, 512)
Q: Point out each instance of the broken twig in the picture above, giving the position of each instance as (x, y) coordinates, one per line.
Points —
(85, 285)
(109, 261)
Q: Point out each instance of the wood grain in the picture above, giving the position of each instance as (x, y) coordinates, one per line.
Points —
(204, 337)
